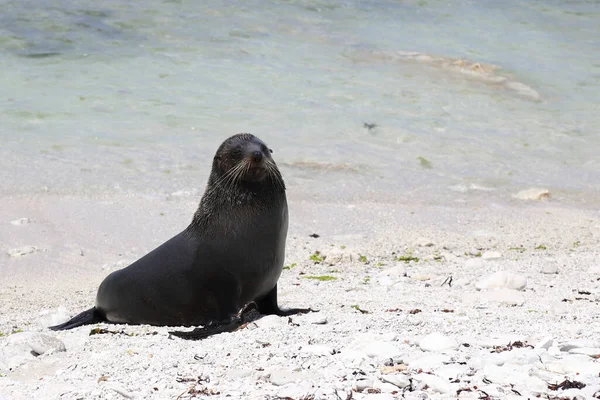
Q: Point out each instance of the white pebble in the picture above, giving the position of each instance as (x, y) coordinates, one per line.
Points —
(545, 343)
(362, 384)
(434, 383)
(532, 194)
(284, 376)
(576, 344)
(121, 391)
(398, 380)
(391, 276)
(502, 279)
(22, 251)
(384, 387)
(269, 321)
(491, 255)
(437, 342)
(588, 351)
(315, 318)
(21, 221)
(550, 269)
(43, 344)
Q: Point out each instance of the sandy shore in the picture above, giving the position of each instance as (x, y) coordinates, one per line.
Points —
(367, 316)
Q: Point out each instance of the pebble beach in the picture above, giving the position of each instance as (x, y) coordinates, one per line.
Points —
(497, 302)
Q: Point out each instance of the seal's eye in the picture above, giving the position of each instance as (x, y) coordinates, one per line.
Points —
(237, 152)
(265, 149)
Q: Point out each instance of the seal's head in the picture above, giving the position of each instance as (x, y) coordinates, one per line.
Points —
(245, 159)
(244, 179)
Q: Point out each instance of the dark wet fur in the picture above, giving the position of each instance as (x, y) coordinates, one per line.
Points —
(234, 247)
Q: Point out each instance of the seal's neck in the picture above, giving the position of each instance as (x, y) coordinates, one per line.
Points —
(237, 197)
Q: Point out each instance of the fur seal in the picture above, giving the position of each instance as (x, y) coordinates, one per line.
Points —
(225, 264)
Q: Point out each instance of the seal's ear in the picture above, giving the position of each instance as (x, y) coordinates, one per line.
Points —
(270, 151)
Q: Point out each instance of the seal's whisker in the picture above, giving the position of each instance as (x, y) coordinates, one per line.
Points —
(222, 181)
(275, 174)
(233, 177)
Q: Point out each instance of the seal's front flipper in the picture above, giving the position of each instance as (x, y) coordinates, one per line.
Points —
(247, 314)
(268, 306)
(91, 316)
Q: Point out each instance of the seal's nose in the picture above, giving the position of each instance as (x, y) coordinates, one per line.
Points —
(257, 156)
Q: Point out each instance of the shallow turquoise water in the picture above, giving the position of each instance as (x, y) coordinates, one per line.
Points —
(135, 97)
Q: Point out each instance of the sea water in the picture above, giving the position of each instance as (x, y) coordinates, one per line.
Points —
(427, 101)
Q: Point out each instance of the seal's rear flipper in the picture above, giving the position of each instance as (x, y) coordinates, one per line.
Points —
(268, 306)
(91, 316)
(247, 314)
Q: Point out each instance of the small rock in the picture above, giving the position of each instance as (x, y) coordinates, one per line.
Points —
(367, 347)
(384, 386)
(434, 383)
(554, 351)
(22, 251)
(336, 256)
(16, 352)
(42, 344)
(550, 269)
(588, 351)
(397, 380)
(498, 341)
(392, 369)
(362, 384)
(491, 255)
(121, 391)
(21, 221)
(391, 276)
(451, 372)
(532, 194)
(422, 242)
(502, 279)
(520, 356)
(506, 296)
(269, 321)
(283, 376)
(573, 365)
(545, 343)
(577, 344)
(316, 318)
(437, 342)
